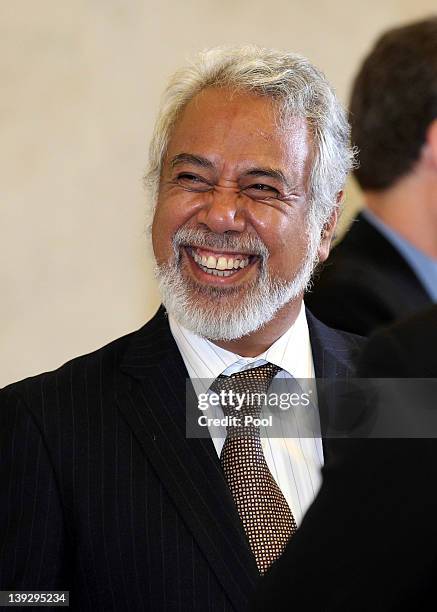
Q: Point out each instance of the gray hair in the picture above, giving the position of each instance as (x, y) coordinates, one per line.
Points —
(299, 89)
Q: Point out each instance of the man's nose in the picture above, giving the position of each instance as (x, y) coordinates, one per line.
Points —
(223, 211)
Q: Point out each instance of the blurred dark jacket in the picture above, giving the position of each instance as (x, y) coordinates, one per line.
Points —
(365, 283)
(369, 540)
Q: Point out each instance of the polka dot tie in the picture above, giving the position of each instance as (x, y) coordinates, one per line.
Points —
(266, 516)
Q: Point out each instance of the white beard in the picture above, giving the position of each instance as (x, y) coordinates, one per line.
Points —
(228, 313)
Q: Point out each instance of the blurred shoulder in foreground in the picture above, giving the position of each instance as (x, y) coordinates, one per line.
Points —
(369, 541)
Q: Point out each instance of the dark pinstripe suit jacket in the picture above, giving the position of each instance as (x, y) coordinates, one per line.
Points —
(103, 495)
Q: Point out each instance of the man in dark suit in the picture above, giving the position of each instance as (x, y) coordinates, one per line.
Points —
(369, 541)
(385, 268)
(102, 491)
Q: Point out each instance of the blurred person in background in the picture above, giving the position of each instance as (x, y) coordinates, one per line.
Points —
(385, 268)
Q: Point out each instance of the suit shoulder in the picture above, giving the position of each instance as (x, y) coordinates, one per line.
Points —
(366, 250)
(343, 348)
(355, 305)
(335, 337)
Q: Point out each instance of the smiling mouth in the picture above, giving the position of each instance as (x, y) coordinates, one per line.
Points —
(220, 264)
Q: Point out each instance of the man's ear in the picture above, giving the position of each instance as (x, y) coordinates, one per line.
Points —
(329, 229)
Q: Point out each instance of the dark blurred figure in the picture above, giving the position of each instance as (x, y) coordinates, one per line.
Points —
(405, 350)
(386, 266)
(369, 540)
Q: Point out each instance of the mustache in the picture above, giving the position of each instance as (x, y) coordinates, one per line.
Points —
(232, 241)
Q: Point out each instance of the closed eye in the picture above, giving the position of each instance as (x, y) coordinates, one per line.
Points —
(192, 182)
(262, 190)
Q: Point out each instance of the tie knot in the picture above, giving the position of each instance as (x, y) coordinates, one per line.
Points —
(255, 379)
(245, 389)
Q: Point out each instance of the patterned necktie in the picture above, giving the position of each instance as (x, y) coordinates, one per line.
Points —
(266, 516)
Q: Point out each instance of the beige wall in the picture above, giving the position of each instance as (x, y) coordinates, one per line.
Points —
(80, 86)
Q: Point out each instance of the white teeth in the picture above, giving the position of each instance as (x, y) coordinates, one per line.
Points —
(222, 272)
(219, 263)
(238, 263)
(222, 263)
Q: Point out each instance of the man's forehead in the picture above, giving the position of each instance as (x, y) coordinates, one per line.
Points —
(263, 113)
(239, 124)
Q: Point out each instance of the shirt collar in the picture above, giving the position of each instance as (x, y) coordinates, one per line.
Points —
(204, 359)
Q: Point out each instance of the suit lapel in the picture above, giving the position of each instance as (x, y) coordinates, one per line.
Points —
(334, 352)
(153, 404)
(335, 355)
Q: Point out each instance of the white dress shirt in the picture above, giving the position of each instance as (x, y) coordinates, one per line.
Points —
(295, 463)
